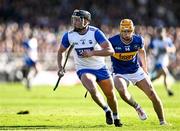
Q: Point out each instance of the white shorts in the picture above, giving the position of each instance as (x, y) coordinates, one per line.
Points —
(134, 77)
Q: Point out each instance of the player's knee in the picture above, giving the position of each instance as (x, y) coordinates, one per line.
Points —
(110, 96)
(122, 92)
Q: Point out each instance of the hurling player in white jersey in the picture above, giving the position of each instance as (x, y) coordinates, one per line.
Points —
(161, 47)
(29, 68)
(90, 48)
(127, 69)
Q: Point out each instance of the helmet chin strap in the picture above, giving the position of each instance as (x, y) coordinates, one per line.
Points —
(85, 25)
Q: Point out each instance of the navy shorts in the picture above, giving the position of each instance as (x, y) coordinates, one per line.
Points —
(101, 74)
(158, 66)
(29, 62)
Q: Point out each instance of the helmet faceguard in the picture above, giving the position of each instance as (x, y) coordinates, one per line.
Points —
(80, 19)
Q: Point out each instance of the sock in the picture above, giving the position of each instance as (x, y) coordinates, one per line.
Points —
(134, 104)
(106, 108)
(115, 116)
(137, 107)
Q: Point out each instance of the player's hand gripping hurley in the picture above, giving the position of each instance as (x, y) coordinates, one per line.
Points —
(63, 68)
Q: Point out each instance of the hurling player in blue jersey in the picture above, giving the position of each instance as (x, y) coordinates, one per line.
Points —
(90, 48)
(126, 69)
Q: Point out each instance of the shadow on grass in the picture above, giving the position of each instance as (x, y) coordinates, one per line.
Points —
(48, 127)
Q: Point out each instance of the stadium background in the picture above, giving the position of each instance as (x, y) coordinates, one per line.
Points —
(49, 19)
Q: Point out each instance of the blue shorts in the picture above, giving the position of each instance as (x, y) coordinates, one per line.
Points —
(158, 66)
(101, 74)
(29, 62)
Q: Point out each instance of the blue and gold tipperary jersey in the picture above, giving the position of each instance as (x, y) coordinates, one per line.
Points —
(125, 60)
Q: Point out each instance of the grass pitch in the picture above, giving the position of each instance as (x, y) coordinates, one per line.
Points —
(67, 109)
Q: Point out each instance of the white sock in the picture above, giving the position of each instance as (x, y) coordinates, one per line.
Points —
(138, 106)
(115, 116)
(106, 108)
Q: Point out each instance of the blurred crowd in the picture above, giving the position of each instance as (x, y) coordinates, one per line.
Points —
(48, 20)
(12, 36)
(53, 12)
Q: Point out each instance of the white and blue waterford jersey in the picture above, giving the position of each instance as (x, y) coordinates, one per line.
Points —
(125, 60)
(31, 51)
(159, 48)
(91, 40)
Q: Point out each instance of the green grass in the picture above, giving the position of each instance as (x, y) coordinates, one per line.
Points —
(67, 109)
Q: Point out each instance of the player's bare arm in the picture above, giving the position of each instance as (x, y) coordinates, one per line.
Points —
(106, 50)
(59, 57)
(142, 56)
(171, 49)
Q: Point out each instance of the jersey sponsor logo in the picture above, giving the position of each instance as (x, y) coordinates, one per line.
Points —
(118, 48)
(136, 47)
(82, 41)
(125, 56)
(90, 42)
(79, 51)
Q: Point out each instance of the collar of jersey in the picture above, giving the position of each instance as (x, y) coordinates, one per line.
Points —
(124, 41)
